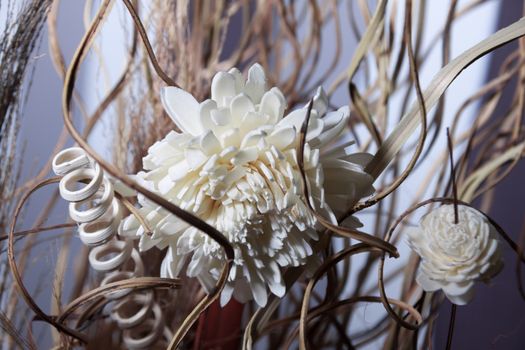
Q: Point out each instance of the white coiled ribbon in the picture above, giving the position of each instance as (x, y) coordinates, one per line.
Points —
(95, 208)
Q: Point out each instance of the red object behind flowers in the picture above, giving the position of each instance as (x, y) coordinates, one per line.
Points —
(219, 328)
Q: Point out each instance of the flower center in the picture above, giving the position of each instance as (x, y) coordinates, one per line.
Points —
(248, 191)
(453, 240)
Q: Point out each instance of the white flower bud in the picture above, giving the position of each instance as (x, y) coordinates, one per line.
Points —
(454, 256)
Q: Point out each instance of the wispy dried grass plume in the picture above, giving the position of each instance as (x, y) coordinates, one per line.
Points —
(20, 35)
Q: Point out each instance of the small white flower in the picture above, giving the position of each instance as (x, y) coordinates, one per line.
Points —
(235, 166)
(454, 256)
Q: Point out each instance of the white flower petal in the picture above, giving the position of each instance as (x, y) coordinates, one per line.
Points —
(182, 108)
(146, 243)
(296, 119)
(259, 292)
(251, 121)
(252, 138)
(231, 137)
(459, 293)
(226, 294)
(283, 138)
(221, 116)
(245, 155)
(427, 284)
(293, 119)
(273, 104)
(330, 134)
(315, 128)
(178, 170)
(209, 143)
(256, 83)
(205, 109)
(170, 228)
(240, 105)
(320, 101)
(223, 88)
(171, 264)
(194, 158)
(239, 80)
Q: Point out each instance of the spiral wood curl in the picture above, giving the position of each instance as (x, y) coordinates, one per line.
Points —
(93, 205)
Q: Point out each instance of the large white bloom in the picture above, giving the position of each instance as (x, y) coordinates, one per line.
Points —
(235, 166)
(454, 256)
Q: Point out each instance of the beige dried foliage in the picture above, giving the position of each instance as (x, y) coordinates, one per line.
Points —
(184, 43)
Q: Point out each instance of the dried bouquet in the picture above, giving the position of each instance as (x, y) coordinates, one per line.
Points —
(258, 183)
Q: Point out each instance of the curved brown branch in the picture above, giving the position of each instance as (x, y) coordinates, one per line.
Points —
(147, 44)
(352, 250)
(16, 275)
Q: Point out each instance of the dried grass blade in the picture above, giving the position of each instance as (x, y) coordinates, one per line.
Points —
(363, 113)
(472, 183)
(436, 88)
(147, 44)
(366, 41)
(423, 114)
(9, 329)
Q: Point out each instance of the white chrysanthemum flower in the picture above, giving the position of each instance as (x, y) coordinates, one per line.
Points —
(234, 165)
(454, 256)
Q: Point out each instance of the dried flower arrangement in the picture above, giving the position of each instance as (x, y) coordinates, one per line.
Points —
(231, 214)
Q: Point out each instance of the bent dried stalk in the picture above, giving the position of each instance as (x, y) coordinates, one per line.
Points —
(431, 95)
